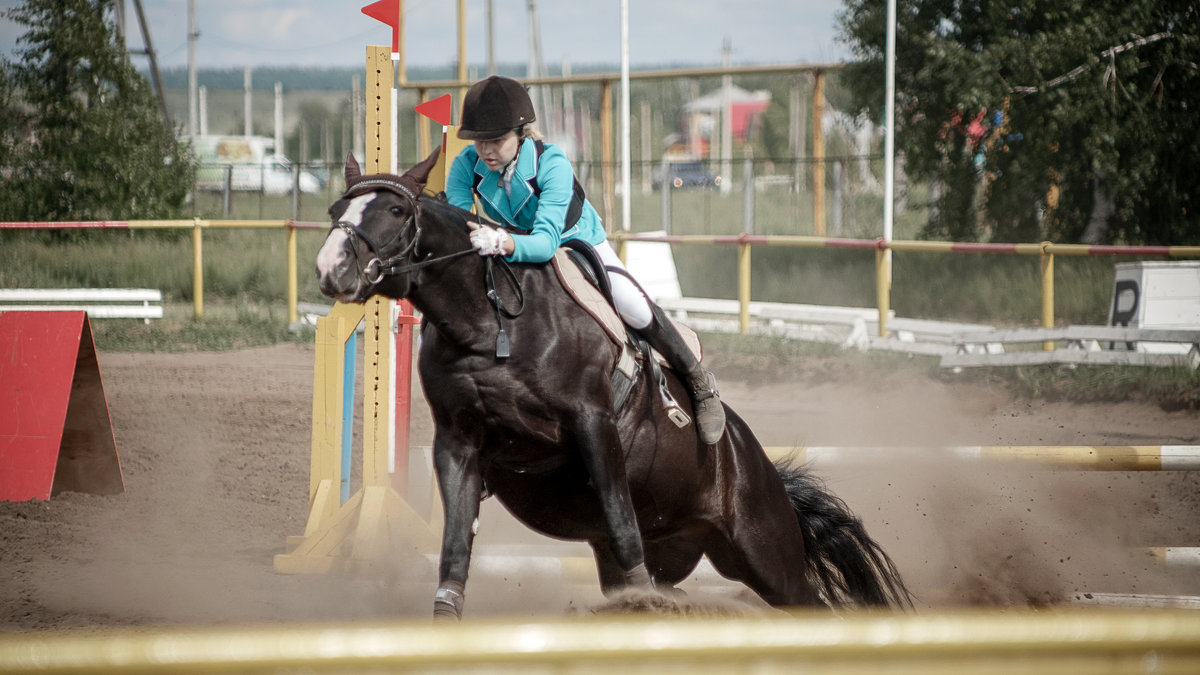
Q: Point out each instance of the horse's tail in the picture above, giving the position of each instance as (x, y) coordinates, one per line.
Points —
(843, 561)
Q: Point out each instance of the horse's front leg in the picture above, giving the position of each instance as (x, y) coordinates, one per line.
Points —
(600, 445)
(457, 464)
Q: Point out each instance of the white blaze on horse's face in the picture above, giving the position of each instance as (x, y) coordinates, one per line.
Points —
(335, 256)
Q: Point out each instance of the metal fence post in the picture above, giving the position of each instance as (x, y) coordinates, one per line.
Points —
(883, 285)
(295, 191)
(743, 287)
(665, 186)
(748, 194)
(227, 198)
(293, 284)
(1047, 292)
(197, 269)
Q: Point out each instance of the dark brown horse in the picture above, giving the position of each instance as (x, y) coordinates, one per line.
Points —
(539, 430)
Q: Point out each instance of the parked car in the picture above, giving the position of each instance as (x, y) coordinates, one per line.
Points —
(247, 163)
(687, 174)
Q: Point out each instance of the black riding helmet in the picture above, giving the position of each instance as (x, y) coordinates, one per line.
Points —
(493, 107)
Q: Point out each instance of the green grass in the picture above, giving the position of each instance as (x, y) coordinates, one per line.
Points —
(257, 206)
(764, 358)
(1175, 388)
(226, 325)
(238, 264)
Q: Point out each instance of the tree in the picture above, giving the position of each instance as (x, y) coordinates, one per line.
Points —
(1070, 120)
(85, 139)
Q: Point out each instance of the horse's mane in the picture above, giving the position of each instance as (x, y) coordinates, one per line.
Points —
(442, 207)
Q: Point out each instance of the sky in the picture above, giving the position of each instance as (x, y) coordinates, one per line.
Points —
(333, 33)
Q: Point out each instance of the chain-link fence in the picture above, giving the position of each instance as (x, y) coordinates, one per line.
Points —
(758, 196)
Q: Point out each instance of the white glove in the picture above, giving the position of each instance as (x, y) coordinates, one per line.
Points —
(488, 240)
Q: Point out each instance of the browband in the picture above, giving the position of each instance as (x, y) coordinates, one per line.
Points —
(377, 181)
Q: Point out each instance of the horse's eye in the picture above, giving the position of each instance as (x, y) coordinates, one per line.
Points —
(397, 211)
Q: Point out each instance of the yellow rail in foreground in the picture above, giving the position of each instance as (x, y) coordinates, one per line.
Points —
(1082, 457)
(1080, 641)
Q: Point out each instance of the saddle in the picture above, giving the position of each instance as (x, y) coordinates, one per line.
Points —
(585, 278)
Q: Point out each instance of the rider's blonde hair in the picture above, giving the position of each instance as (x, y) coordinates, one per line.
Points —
(530, 130)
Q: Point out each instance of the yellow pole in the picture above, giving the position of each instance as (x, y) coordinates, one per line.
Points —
(377, 413)
(376, 410)
(818, 134)
(606, 150)
(1047, 293)
(197, 269)
(380, 76)
(980, 641)
(375, 520)
(462, 50)
(744, 288)
(328, 383)
(293, 287)
(423, 146)
(401, 73)
(883, 287)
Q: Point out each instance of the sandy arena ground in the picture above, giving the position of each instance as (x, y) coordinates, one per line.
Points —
(215, 452)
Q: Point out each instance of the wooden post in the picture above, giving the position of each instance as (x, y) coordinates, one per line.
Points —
(377, 393)
(818, 133)
(365, 531)
(423, 147)
(883, 287)
(293, 288)
(198, 269)
(796, 140)
(606, 151)
(401, 67)
(1047, 293)
(462, 51)
(377, 154)
(743, 288)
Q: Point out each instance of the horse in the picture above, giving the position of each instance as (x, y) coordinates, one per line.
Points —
(517, 377)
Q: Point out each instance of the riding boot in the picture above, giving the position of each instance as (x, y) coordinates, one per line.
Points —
(706, 402)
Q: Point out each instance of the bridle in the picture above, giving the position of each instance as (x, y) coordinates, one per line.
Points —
(377, 267)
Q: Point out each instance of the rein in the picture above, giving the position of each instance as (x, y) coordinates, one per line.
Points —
(503, 349)
(390, 267)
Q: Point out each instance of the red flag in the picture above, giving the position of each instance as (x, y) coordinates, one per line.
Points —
(387, 11)
(437, 110)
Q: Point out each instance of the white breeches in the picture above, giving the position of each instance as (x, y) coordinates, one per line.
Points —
(632, 304)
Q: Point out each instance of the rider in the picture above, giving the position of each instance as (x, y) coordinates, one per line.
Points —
(530, 189)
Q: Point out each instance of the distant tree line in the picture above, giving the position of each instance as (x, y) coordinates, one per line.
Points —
(82, 136)
(1068, 121)
(1071, 120)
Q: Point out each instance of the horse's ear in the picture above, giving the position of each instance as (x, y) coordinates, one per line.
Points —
(419, 174)
(353, 170)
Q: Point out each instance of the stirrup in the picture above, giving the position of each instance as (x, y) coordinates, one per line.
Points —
(675, 411)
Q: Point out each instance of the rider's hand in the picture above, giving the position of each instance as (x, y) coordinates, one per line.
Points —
(489, 240)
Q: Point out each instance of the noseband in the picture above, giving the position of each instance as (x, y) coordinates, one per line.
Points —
(376, 268)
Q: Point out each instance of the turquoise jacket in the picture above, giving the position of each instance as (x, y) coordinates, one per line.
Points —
(538, 219)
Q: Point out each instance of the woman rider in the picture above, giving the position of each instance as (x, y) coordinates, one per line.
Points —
(531, 192)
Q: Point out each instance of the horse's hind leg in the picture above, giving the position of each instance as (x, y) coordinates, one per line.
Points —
(668, 564)
(764, 549)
